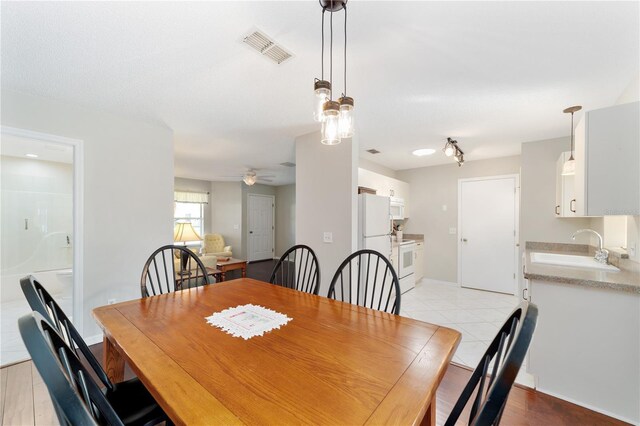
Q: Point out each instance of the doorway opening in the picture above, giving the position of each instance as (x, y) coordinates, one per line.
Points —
(41, 218)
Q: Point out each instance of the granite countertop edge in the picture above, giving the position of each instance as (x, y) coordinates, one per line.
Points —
(627, 280)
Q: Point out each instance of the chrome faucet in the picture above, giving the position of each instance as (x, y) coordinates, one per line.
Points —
(602, 254)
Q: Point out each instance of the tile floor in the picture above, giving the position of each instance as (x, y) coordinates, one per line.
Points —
(476, 314)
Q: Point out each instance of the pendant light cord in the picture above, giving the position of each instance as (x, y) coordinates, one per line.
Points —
(331, 52)
(571, 156)
(345, 50)
(322, 54)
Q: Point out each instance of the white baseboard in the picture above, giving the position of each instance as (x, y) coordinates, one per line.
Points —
(590, 407)
(429, 281)
(92, 340)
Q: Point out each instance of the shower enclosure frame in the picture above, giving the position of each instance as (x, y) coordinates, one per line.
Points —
(78, 210)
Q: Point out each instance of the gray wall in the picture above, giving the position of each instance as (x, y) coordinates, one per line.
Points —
(226, 213)
(285, 218)
(246, 190)
(430, 188)
(195, 185)
(326, 200)
(377, 168)
(128, 192)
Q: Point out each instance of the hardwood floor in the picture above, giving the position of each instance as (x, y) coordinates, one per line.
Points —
(24, 401)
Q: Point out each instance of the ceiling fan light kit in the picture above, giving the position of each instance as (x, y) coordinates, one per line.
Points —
(336, 117)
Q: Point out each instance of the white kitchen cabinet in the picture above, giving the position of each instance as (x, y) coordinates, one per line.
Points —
(565, 190)
(607, 149)
(419, 261)
(385, 186)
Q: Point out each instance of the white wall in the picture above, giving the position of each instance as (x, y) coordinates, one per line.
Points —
(226, 213)
(431, 188)
(128, 191)
(285, 218)
(326, 200)
(196, 185)
(375, 167)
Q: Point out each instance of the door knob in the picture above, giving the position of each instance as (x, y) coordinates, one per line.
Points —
(464, 240)
(251, 232)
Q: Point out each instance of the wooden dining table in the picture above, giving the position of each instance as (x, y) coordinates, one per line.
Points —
(333, 363)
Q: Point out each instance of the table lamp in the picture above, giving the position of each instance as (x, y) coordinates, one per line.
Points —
(184, 233)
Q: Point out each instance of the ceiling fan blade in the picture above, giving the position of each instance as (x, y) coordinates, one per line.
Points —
(265, 180)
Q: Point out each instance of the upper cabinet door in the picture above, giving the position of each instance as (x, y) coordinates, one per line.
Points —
(607, 153)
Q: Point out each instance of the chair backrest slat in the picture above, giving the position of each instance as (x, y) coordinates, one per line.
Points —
(507, 352)
(77, 399)
(42, 302)
(297, 269)
(375, 287)
(171, 268)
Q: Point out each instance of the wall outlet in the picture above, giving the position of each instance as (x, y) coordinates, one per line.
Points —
(111, 301)
(453, 231)
(327, 237)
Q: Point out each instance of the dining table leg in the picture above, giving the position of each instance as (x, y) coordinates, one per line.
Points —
(113, 361)
(429, 418)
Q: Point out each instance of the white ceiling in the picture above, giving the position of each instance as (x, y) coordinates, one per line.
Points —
(489, 74)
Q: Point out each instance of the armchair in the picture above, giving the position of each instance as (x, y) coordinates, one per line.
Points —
(214, 246)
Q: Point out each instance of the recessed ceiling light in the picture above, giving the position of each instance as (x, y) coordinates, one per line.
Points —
(31, 155)
(424, 151)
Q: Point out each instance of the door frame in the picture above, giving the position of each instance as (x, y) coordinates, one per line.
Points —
(78, 211)
(273, 224)
(516, 247)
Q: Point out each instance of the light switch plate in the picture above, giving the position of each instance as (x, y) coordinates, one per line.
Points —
(327, 237)
(236, 226)
(453, 231)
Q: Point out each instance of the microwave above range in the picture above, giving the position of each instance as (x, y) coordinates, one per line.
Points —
(397, 208)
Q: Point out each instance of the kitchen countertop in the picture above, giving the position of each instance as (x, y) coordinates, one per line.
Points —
(627, 279)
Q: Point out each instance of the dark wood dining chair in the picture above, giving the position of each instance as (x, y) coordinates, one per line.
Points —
(298, 269)
(367, 278)
(76, 397)
(491, 384)
(171, 268)
(129, 397)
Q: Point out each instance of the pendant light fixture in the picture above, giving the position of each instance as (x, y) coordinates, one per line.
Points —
(569, 166)
(336, 116)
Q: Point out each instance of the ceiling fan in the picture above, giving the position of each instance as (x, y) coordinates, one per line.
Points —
(250, 177)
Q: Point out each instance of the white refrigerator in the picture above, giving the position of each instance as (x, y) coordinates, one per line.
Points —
(374, 224)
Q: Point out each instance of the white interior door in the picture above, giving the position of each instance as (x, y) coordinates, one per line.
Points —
(261, 226)
(487, 231)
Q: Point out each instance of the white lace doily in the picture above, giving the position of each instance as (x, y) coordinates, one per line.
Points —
(247, 321)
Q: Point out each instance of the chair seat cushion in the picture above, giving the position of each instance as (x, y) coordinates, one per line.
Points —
(134, 404)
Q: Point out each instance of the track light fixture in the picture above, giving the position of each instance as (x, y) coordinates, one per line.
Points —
(451, 149)
(336, 116)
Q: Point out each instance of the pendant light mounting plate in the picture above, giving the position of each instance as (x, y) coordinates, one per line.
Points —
(572, 109)
(333, 5)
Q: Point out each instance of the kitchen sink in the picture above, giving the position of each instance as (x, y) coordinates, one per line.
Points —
(571, 260)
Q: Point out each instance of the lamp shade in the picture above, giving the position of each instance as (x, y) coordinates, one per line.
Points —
(569, 168)
(184, 232)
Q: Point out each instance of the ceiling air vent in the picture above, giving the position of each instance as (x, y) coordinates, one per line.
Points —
(288, 164)
(265, 45)
(373, 151)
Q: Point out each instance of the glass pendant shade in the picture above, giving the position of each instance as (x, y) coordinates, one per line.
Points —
(569, 167)
(346, 117)
(331, 123)
(322, 90)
